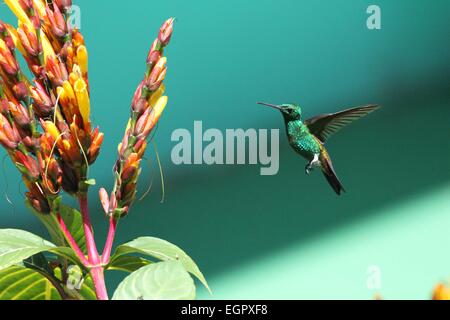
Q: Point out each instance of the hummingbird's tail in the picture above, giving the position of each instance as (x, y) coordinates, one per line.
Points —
(330, 174)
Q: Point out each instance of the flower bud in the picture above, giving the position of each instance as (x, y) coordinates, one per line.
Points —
(77, 38)
(36, 198)
(165, 33)
(31, 143)
(27, 165)
(20, 90)
(139, 103)
(9, 135)
(131, 168)
(6, 36)
(39, 204)
(20, 114)
(155, 115)
(42, 101)
(123, 146)
(140, 148)
(104, 199)
(56, 71)
(4, 105)
(138, 93)
(6, 143)
(29, 41)
(69, 179)
(157, 75)
(57, 22)
(94, 150)
(53, 178)
(63, 5)
(128, 193)
(113, 203)
(7, 60)
(154, 54)
(141, 123)
(129, 174)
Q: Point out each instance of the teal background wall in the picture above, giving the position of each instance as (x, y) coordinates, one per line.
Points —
(286, 236)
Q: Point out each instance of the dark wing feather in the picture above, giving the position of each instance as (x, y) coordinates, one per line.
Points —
(324, 126)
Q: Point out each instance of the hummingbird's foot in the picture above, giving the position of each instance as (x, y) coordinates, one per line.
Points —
(313, 164)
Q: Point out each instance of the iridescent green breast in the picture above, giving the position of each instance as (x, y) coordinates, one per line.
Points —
(302, 140)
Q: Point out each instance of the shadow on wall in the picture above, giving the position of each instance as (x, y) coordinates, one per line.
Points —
(227, 218)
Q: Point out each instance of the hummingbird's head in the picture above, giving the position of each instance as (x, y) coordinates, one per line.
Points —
(289, 111)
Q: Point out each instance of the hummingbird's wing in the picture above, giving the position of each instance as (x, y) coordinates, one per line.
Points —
(324, 126)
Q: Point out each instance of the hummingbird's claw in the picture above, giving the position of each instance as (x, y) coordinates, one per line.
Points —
(308, 169)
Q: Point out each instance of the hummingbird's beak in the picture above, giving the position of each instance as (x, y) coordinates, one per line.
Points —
(270, 105)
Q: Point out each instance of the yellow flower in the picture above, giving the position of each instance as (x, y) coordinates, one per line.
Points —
(3, 45)
(156, 96)
(67, 145)
(52, 130)
(18, 11)
(160, 106)
(84, 103)
(61, 93)
(47, 47)
(82, 57)
(68, 91)
(40, 6)
(75, 74)
(441, 292)
(15, 37)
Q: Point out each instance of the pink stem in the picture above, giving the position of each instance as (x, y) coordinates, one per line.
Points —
(73, 244)
(98, 278)
(94, 258)
(109, 241)
(97, 270)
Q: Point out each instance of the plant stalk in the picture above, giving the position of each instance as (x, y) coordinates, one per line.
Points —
(97, 271)
(109, 241)
(73, 244)
(91, 247)
(98, 277)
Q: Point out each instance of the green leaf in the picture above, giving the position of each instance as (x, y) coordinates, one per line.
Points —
(79, 286)
(51, 224)
(19, 283)
(74, 223)
(87, 291)
(73, 220)
(90, 182)
(18, 245)
(67, 253)
(128, 263)
(159, 281)
(39, 263)
(162, 250)
(72, 285)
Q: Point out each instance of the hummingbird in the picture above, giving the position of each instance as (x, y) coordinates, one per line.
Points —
(308, 137)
